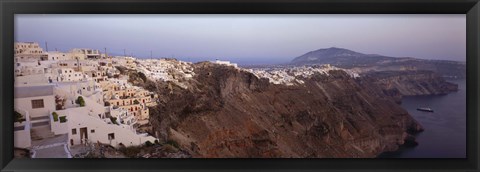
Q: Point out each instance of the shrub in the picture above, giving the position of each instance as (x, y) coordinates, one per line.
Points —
(63, 119)
(136, 102)
(18, 117)
(55, 116)
(148, 143)
(80, 101)
(173, 143)
(59, 103)
(114, 120)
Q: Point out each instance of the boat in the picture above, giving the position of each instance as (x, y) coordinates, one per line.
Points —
(425, 109)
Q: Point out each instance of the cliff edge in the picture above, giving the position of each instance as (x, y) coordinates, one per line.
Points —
(226, 112)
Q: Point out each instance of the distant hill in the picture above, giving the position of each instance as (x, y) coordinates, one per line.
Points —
(339, 57)
(349, 59)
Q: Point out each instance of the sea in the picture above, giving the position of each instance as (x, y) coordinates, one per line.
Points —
(445, 128)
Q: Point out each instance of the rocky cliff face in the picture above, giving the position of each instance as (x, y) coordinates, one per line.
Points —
(411, 83)
(226, 112)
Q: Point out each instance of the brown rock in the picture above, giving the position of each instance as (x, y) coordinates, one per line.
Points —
(230, 113)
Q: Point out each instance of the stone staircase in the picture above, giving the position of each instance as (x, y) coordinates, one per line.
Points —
(41, 119)
(40, 128)
(41, 132)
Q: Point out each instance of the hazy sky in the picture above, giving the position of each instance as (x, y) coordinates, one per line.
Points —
(249, 38)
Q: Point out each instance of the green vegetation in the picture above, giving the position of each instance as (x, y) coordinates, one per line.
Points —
(18, 117)
(55, 116)
(136, 102)
(80, 101)
(114, 120)
(63, 119)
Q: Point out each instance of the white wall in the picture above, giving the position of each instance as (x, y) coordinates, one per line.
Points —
(123, 133)
(31, 80)
(26, 104)
(22, 138)
(56, 126)
(59, 56)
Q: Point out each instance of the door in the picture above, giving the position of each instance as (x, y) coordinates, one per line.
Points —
(83, 135)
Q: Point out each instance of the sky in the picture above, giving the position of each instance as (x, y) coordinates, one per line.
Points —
(248, 38)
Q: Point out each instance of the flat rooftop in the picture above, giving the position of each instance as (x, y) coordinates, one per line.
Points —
(33, 91)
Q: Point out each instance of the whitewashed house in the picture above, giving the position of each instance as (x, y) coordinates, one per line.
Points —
(39, 101)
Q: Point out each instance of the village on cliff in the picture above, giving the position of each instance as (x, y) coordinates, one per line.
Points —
(65, 101)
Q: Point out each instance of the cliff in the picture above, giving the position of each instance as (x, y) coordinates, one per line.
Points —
(411, 83)
(226, 112)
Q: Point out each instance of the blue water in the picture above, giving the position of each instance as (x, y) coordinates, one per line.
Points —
(445, 128)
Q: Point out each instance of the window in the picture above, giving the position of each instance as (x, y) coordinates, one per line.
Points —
(92, 131)
(37, 104)
(74, 131)
(111, 136)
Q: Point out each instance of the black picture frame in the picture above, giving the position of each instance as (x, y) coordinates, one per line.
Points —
(9, 8)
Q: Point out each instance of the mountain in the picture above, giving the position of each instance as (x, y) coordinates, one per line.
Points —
(226, 112)
(364, 63)
(339, 57)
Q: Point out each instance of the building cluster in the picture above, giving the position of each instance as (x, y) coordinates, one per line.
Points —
(166, 70)
(295, 75)
(79, 93)
(227, 63)
(82, 95)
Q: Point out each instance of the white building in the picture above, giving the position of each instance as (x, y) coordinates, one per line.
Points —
(39, 101)
(84, 53)
(85, 128)
(34, 103)
(56, 56)
(28, 51)
(228, 63)
(69, 75)
(50, 83)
